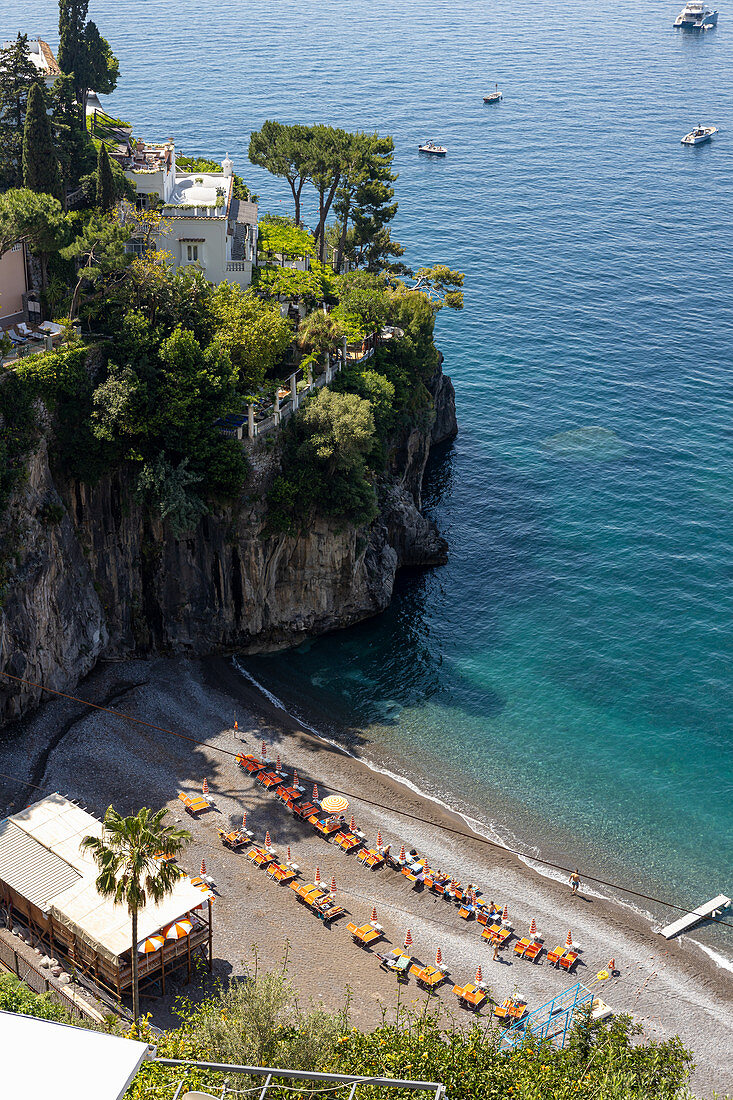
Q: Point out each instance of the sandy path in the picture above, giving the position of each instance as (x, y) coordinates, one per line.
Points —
(670, 988)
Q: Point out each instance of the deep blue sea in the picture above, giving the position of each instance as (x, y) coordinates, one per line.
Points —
(566, 678)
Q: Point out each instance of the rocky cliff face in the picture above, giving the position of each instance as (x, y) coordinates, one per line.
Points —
(97, 577)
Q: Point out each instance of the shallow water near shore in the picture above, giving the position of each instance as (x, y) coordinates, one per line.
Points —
(566, 676)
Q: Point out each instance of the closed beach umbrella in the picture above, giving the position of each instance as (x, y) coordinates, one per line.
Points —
(479, 976)
(268, 841)
(533, 927)
(611, 966)
(408, 938)
(334, 804)
(374, 913)
(278, 765)
(205, 786)
(403, 855)
(178, 929)
(203, 866)
(438, 957)
(379, 840)
(152, 943)
(296, 781)
(289, 859)
(569, 940)
(352, 823)
(315, 792)
(244, 820)
(333, 884)
(263, 752)
(317, 876)
(505, 913)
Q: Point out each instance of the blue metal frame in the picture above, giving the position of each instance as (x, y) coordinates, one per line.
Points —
(556, 1014)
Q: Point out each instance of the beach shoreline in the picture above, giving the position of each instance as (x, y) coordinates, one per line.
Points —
(670, 987)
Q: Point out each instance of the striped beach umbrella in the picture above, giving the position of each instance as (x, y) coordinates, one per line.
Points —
(268, 841)
(438, 957)
(152, 943)
(352, 823)
(505, 914)
(374, 913)
(178, 929)
(611, 966)
(317, 876)
(203, 867)
(333, 885)
(236, 727)
(205, 786)
(278, 765)
(479, 976)
(244, 820)
(379, 840)
(403, 854)
(569, 940)
(289, 856)
(408, 938)
(334, 804)
(533, 927)
(296, 781)
(315, 792)
(263, 751)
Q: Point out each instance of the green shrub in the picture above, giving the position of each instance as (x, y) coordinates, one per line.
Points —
(16, 997)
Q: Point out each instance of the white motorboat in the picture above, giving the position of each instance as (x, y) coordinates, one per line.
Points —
(699, 135)
(493, 97)
(696, 16)
(432, 149)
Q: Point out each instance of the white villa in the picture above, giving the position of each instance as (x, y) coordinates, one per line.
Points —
(210, 229)
(41, 55)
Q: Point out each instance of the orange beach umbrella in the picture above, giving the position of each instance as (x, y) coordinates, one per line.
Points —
(374, 913)
(533, 927)
(569, 940)
(479, 975)
(178, 929)
(438, 957)
(317, 876)
(152, 943)
(334, 804)
(379, 840)
(315, 792)
(333, 885)
(203, 867)
(205, 786)
(352, 823)
(408, 938)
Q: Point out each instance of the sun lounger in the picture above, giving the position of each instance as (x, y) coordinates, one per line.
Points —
(15, 336)
(370, 858)
(466, 911)
(470, 996)
(305, 810)
(325, 825)
(347, 841)
(195, 805)
(269, 779)
(533, 951)
(281, 873)
(249, 763)
(287, 794)
(482, 917)
(234, 840)
(365, 934)
(510, 1009)
(260, 857)
(398, 963)
(409, 874)
(553, 957)
(429, 977)
(496, 934)
(328, 910)
(521, 946)
(568, 960)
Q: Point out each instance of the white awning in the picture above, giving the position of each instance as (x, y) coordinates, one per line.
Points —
(49, 1061)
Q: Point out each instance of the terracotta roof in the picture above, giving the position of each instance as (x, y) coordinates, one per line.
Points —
(51, 62)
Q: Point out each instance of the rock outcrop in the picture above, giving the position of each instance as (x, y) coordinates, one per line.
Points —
(95, 576)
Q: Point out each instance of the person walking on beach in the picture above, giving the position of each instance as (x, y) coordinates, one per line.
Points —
(495, 956)
(574, 881)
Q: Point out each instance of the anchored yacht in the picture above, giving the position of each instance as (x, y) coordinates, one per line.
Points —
(699, 135)
(433, 149)
(696, 16)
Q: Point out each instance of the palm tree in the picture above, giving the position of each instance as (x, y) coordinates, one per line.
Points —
(319, 333)
(128, 871)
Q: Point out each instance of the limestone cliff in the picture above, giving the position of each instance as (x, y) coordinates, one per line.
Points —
(95, 576)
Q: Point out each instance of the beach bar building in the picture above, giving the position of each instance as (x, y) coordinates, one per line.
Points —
(48, 883)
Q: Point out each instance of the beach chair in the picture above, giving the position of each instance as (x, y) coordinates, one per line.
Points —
(269, 779)
(287, 794)
(467, 911)
(370, 858)
(260, 857)
(235, 841)
(194, 806)
(521, 946)
(249, 763)
(397, 963)
(534, 951)
(429, 977)
(281, 873)
(470, 996)
(553, 957)
(305, 810)
(347, 841)
(328, 910)
(364, 934)
(568, 960)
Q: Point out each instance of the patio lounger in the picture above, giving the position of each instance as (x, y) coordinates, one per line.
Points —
(470, 996)
(554, 957)
(305, 810)
(533, 951)
(194, 806)
(569, 959)
(482, 917)
(466, 911)
(521, 946)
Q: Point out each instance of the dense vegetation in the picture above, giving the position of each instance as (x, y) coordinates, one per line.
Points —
(259, 1021)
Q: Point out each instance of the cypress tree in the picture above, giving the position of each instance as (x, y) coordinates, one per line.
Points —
(105, 181)
(40, 165)
(18, 75)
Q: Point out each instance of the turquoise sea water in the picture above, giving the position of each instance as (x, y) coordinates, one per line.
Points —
(567, 675)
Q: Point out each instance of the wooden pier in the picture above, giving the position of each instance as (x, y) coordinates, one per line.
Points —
(709, 909)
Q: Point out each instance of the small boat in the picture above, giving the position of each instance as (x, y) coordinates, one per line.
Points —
(493, 97)
(696, 16)
(432, 149)
(699, 135)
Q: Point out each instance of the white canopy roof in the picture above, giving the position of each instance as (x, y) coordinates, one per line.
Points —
(75, 1064)
(50, 864)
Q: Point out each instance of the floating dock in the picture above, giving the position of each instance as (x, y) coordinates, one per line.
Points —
(709, 909)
